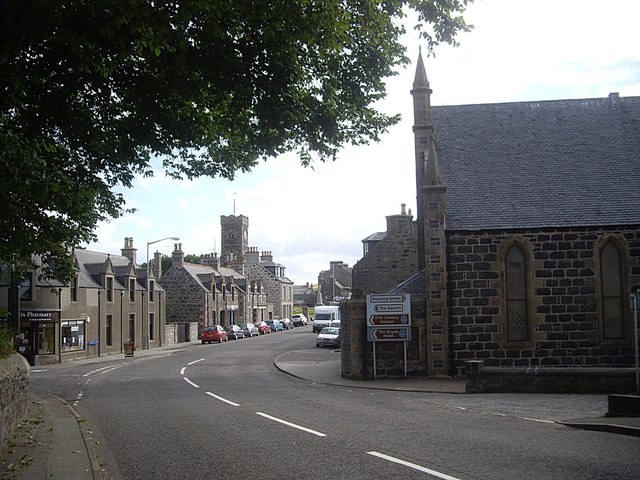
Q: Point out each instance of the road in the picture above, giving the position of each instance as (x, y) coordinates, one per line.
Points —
(224, 411)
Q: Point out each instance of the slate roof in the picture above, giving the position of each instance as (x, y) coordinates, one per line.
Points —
(415, 285)
(562, 163)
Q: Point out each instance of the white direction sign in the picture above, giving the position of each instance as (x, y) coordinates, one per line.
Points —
(388, 310)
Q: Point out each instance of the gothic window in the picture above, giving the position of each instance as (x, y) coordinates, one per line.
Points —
(611, 292)
(516, 286)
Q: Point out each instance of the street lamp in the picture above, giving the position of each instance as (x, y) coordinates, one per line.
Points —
(149, 288)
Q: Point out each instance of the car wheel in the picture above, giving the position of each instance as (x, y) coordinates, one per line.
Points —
(203, 342)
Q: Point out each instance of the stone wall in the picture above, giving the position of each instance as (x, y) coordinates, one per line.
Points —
(185, 297)
(14, 382)
(481, 379)
(357, 351)
(563, 298)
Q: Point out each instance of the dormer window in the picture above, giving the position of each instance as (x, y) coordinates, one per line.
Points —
(132, 289)
(109, 287)
(26, 288)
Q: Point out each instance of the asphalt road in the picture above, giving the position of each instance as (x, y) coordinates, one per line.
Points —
(224, 411)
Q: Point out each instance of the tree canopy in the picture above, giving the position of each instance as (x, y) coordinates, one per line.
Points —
(91, 90)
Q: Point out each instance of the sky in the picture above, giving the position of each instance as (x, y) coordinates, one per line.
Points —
(519, 50)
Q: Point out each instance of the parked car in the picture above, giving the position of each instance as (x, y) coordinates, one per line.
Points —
(334, 323)
(250, 330)
(299, 320)
(263, 328)
(328, 337)
(275, 325)
(287, 324)
(214, 333)
(234, 332)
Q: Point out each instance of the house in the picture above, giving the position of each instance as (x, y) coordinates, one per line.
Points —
(528, 244)
(107, 304)
(334, 284)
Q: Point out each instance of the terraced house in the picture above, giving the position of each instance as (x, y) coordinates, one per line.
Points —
(106, 305)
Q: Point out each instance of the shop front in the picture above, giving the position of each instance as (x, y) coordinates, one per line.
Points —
(39, 336)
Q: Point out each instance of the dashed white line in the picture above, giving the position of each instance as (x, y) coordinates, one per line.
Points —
(222, 399)
(304, 429)
(195, 361)
(413, 465)
(536, 420)
(190, 382)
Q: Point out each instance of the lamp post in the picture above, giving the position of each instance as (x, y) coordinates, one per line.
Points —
(149, 288)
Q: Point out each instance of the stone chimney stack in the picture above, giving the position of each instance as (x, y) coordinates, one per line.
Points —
(129, 251)
(157, 264)
(266, 257)
(177, 257)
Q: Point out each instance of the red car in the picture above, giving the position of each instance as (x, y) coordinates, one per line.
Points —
(263, 328)
(214, 333)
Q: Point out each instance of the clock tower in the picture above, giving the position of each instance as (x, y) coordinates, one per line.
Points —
(235, 238)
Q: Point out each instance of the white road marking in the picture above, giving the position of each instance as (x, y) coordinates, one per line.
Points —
(413, 465)
(182, 370)
(195, 361)
(222, 399)
(37, 371)
(190, 382)
(304, 429)
(537, 420)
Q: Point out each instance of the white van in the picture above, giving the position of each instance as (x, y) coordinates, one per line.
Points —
(324, 315)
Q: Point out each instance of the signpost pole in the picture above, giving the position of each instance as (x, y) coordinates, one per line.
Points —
(374, 361)
(635, 304)
(405, 359)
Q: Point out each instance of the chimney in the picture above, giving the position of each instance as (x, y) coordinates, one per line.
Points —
(129, 251)
(252, 256)
(614, 99)
(266, 256)
(157, 264)
(177, 257)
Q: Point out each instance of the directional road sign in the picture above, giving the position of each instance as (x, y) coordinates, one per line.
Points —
(388, 310)
(391, 334)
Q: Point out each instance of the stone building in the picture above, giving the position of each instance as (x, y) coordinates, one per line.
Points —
(207, 293)
(334, 285)
(259, 269)
(528, 239)
(388, 257)
(107, 304)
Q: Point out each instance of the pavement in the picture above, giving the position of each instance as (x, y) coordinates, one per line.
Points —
(54, 442)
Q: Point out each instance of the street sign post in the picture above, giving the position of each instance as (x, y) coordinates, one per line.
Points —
(389, 320)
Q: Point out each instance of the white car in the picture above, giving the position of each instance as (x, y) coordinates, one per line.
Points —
(299, 320)
(328, 337)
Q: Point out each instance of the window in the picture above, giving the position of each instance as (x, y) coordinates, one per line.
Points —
(74, 289)
(152, 289)
(132, 289)
(26, 289)
(516, 279)
(73, 335)
(109, 282)
(46, 336)
(109, 331)
(611, 292)
(151, 332)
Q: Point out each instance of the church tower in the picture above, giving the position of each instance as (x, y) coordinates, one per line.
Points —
(235, 238)
(430, 225)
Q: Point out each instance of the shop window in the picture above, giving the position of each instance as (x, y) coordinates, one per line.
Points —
(73, 336)
(46, 338)
(516, 277)
(611, 292)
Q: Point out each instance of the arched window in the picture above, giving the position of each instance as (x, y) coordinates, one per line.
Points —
(516, 286)
(611, 292)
